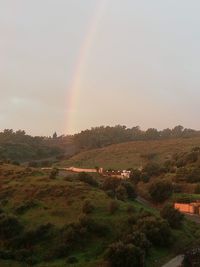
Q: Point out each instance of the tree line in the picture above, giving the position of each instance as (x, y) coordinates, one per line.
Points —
(22, 147)
(105, 135)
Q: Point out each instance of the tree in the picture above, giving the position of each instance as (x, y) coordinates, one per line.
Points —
(177, 131)
(139, 239)
(121, 193)
(152, 134)
(55, 135)
(173, 216)
(152, 169)
(156, 230)
(87, 178)
(130, 190)
(160, 190)
(125, 255)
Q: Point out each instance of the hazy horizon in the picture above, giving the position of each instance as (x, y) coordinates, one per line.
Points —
(70, 65)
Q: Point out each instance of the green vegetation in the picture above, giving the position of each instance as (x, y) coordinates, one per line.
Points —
(174, 217)
(67, 221)
(18, 147)
(133, 154)
(160, 190)
(103, 136)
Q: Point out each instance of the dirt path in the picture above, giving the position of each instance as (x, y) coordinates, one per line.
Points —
(175, 262)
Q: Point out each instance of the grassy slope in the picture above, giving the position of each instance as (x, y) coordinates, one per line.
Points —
(60, 202)
(132, 154)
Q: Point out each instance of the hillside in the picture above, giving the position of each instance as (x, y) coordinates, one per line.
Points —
(43, 222)
(132, 154)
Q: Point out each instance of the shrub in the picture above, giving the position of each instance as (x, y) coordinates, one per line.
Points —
(113, 206)
(110, 193)
(72, 260)
(111, 184)
(136, 175)
(87, 178)
(88, 207)
(145, 177)
(152, 169)
(32, 237)
(173, 216)
(156, 230)
(160, 190)
(33, 164)
(93, 227)
(130, 190)
(197, 189)
(193, 175)
(125, 255)
(9, 226)
(138, 239)
(54, 173)
(121, 193)
(30, 204)
(130, 209)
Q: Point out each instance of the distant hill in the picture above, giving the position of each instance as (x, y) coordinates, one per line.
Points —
(18, 146)
(132, 154)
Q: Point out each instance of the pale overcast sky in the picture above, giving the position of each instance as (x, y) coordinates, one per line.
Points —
(67, 65)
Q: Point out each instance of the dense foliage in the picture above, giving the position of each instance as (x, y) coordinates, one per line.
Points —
(160, 190)
(22, 147)
(103, 136)
(173, 216)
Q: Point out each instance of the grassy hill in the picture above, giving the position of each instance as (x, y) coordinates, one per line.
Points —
(132, 154)
(43, 212)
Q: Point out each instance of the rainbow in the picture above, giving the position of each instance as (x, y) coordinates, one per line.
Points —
(75, 85)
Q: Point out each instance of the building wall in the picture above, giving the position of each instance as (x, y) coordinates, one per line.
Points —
(73, 169)
(188, 208)
(192, 208)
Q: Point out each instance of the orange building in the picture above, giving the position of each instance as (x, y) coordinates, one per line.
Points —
(192, 208)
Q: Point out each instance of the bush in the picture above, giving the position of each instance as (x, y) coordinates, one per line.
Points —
(136, 175)
(93, 227)
(9, 226)
(130, 209)
(130, 190)
(32, 237)
(87, 178)
(121, 193)
(152, 169)
(138, 239)
(111, 184)
(145, 177)
(72, 260)
(125, 255)
(197, 189)
(54, 173)
(23, 208)
(113, 206)
(110, 193)
(88, 207)
(156, 230)
(160, 190)
(173, 216)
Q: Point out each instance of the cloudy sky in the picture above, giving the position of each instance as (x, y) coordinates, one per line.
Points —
(67, 65)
